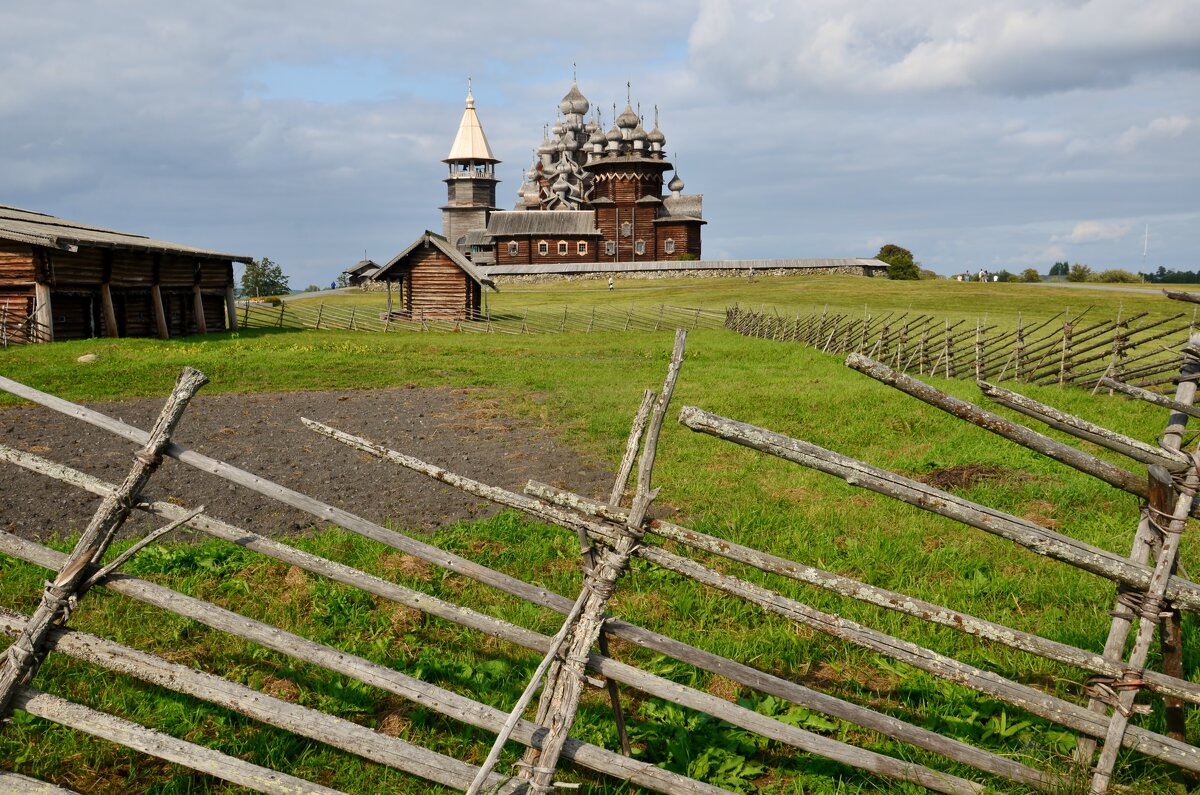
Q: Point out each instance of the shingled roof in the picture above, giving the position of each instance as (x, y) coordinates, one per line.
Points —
(39, 229)
(543, 223)
(443, 245)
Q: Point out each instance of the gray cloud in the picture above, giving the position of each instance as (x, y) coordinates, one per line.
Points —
(971, 133)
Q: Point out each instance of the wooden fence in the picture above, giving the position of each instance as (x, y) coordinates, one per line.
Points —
(1150, 597)
(20, 329)
(320, 315)
(1063, 349)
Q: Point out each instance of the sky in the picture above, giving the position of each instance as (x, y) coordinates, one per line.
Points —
(979, 135)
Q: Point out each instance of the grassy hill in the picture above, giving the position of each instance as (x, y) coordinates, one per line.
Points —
(586, 387)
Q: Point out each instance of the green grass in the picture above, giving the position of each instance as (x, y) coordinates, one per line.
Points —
(1001, 303)
(586, 387)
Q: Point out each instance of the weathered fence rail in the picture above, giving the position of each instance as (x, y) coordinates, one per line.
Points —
(1151, 594)
(1062, 349)
(310, 314)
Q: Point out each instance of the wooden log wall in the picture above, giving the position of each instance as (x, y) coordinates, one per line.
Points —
(109, 292)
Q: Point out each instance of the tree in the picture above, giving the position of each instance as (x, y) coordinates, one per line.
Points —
(343, 279)
(900, 262)
(264, 277)
(1030, 275)
(1079, 273)
(1060, 269)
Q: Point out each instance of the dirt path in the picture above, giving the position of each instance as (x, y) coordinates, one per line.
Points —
(262, 433)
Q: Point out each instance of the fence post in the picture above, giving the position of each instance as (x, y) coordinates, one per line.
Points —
(282, 307)
(320, 309)
(351, 325)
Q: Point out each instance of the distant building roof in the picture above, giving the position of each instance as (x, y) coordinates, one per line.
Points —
(364, 267)
(549, 223)
(441, 244)
(39, 229)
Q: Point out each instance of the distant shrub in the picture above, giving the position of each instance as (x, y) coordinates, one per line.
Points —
(688, 257)
(1079, 273)
(1030, 275)
(928, 274)
(1116, 276)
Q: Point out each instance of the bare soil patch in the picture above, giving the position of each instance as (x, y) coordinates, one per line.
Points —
(262, 433)
(963, 477)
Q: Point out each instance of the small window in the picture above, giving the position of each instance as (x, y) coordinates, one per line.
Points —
(626, 229)
(639, 247)
(582, 247)
(543, 247)
(562, 248)
(669, 246)
(512, 248)
(610, 247)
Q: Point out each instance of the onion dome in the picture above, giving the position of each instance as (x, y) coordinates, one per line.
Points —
(628, 119)
(639, 132)
(569, 142)
(561, 185)
(656, 136)
(614, 134)
(598, 137)
(574, 101)
(676, 184)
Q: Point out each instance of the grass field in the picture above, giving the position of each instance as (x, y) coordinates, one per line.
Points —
(586, 387)
(852, 295)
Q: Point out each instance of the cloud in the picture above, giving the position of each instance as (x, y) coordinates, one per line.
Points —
(1022, 47)
(1096, 231)
(1163, 127)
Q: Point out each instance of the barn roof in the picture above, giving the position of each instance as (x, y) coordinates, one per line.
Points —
(362, 268)
(39, 229)
(441, 244)
(551, 223)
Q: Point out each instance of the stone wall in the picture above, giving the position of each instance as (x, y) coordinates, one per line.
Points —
(697, 273)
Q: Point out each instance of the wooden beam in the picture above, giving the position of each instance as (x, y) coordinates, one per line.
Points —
(160, 315)
(43, 312)
(198, 308)
(231, 308)
(163, 746)
(110, 314)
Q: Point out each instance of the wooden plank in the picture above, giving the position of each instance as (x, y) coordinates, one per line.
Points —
(611, 669)
(1034, 537)
(157, 744)
(1063, 453)
(16, 784)
(303, 721)
(1172, 460)
(429, 696)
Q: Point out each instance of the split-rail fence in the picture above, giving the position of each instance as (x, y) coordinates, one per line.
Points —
(1150, 596)
(310, 314)
(1077, 349)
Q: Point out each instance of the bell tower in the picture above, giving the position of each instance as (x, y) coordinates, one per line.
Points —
(471, 184)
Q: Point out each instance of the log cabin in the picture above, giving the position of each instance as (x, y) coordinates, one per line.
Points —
(434, 282)
(63, 280)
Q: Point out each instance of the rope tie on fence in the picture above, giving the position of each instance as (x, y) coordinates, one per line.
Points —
(1106, 689)
(148, 458)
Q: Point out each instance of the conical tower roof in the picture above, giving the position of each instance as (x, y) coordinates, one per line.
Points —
(470, 143)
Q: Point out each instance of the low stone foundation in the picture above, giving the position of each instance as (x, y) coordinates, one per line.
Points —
(698, 273)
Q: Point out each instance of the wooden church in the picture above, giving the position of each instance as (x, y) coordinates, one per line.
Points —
(590, 196)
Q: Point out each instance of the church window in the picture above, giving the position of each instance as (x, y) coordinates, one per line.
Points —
(669, 245)
(639, 247)
(610, 247)
(543, 247)
(582, 247)
(512, 248)
(562, 247)
(626, 229)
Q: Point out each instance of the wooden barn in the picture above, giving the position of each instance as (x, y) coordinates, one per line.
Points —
(61, 280)
(434, 281)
